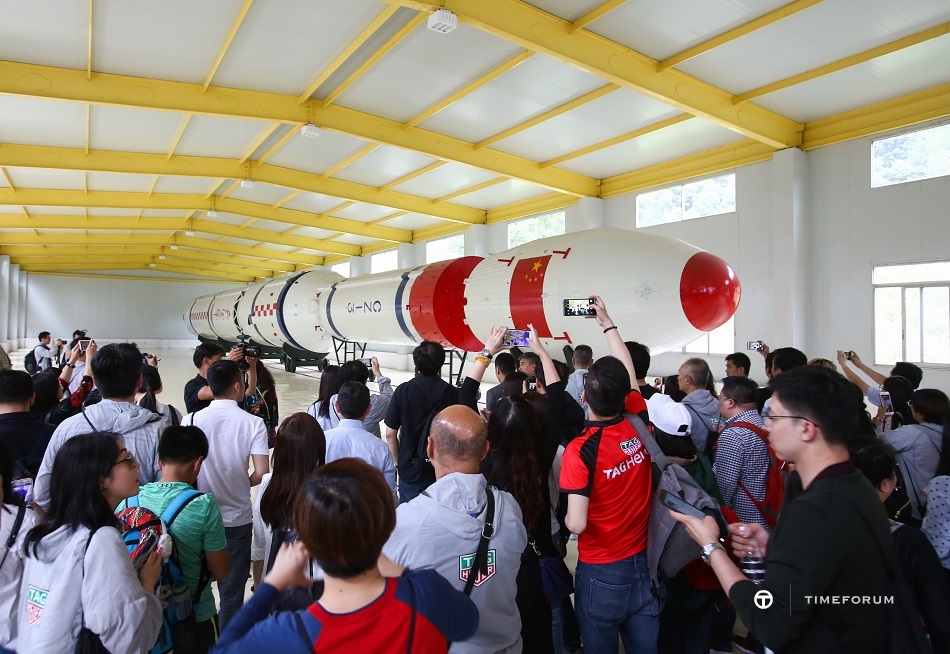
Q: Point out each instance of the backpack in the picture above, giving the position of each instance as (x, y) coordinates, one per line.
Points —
(142, 531)
(770, 507)
(29, 362)
(421, 456)
(298, 598)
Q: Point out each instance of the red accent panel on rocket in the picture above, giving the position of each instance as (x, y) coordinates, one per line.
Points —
(437, 303)
(527, 286)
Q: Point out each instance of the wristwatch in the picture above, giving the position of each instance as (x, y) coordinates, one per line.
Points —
(486, 353)
(709, 549)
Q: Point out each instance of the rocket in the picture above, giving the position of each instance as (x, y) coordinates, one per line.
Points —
(659, 291)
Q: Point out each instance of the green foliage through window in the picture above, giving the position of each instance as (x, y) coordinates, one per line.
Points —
(923, 154)
(705, 197)
(535, 227)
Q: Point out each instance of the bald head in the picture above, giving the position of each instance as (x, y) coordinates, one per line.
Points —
(459, 440)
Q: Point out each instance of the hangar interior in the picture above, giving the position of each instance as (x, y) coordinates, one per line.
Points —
(154, 152)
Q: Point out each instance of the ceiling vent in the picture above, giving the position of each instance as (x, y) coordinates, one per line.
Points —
(443, 20)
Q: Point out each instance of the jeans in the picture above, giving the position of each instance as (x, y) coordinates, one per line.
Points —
(231, 589)
(409, 490)
(617, 599)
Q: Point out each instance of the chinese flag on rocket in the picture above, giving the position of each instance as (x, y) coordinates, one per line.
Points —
(525, 300)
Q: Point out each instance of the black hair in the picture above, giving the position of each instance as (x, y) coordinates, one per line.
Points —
(117, 368)
(875, 458)
(206, 351)
(505, 363)
(640, 354)
(182, 444)
(151, 384)
(513, 386)
(909, 371)
(6, 476)
(428, 358)
(43, 335)
(46, 386)
(330, 382)
(740, 390)
(16, 386)
(740, 360)
(75, 486)
(901, 391)
(583, 355)
(932, 404)
(671, 387)
(788, 358)
(606, 387)
(824, 397)
(353, 398)
(354, 371)
(769, 358)
(512, 462)
(563, 372)
(223, 375)
(675, 445)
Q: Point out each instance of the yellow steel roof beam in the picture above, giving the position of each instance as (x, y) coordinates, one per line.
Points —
(376, 56)
(6, 176)
(416, 173)
(595, 13)
(258, 141)
(548, 115)
(287, 198)
(30, 80)
(362, 152)
(59, 254)
(235, 26)
(847, 62)
(177, 139)
(737, 32)
(491, 75)
(541, 204)
(629, 136)
(353, 46)
(151, 164)
(51, 267)
(277, 146)
(539, 31)
(471, 189)
(195, 270)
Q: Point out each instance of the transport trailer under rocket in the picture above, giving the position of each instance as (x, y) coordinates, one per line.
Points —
(659, 291)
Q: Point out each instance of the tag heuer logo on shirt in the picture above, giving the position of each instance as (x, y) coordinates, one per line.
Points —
(630, 447)
(35, 602)
(466, 561)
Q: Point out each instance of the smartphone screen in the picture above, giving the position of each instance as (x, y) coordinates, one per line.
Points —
(531, 383)
(84, 344)
(671, 501)
(579, 307)
(887, 403)
(367, 361)
(754, 345)
(515, 337)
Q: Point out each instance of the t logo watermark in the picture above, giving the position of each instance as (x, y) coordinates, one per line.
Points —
(763, 599)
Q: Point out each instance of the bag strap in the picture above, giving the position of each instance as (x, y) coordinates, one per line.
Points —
(480, 564)
(83, 410)
(82, 614)
(175, 420)
(647, 438)
(764, 435)
(178, 504)
(17, 523)
(302, 630)
(412, 620)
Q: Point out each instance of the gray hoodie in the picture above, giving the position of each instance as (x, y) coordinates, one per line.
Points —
(60, 590)
(441, 528)
(704, 412)
(140, 430)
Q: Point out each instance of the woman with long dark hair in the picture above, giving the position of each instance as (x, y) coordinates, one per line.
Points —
(260, 398)
(937, 523)
(78, 578)
(330, 381)
(145, 397)
(300, 450)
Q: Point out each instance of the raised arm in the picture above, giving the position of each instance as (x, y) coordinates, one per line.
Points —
(614, 340)
(873, 374)
(852, 376)
(469, 391)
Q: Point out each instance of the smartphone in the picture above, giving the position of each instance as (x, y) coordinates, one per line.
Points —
(515, 337)
(754, 345)
(532, 383)
(252, 351)
(678, 504)
(580, 307)
(887, 403)
(367, 361)
(848, 355)
(23, 488)
(84, 343)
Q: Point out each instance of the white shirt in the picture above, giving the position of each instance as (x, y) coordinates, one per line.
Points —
(234, 435)
(44, 356)
(351, 440)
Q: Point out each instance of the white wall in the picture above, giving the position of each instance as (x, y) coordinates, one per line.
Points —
(112, 309)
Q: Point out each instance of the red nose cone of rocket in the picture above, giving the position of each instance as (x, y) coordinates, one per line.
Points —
(709, 291)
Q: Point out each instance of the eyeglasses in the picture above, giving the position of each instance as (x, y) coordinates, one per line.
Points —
(130, 459)
(768, 417)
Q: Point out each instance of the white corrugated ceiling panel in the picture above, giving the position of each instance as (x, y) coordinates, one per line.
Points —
(316, 155)
(115, 213)
(412, 221)
(353, 239)
(513, 190)
(262, 193)
(240, 241)
(283, 45)
(208, 136)
(383, 165)
(120, 182)
(536, 86)
(132, 130)
(313, 202)
(29, 121)
(690, 137)
(45, 178)
(187, 185)
(174, 39)
(165, 213)
(51, 33)
(444, 180)
(820, 35)
(11, 208)
(270, 226)
(55, 211)
(897, 74)
(277, 247)
(223, 217)
(313, 232)
(432, 65)
(364, 212)
(612, 115)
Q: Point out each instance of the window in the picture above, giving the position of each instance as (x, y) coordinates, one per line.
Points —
(721, 340)
(451, 247)
(909, 157)
(707, 197)
(342, 268)
(912, 313)
(535, 227)
(384, 262)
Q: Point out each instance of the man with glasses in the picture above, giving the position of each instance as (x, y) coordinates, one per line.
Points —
(830, 548)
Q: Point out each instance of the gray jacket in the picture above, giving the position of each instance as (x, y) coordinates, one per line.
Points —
(918, 452)
(704, 411)
(441, 528)
(139, 428)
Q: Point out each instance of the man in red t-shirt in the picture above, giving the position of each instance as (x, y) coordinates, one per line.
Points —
(606, 473)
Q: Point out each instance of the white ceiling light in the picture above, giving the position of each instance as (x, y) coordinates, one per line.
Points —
(247, 183)
(151, 265)
(161, 257)
(310, 130)
(442, 20)
(213, 214)
(189, 233)
(174, 247)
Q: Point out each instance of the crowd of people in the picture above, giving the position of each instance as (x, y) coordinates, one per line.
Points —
(413, 519)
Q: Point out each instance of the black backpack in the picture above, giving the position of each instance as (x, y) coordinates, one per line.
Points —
(29, 362)
(292, 599)
(421, 455)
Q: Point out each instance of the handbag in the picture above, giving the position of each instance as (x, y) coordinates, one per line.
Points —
(556, 578)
